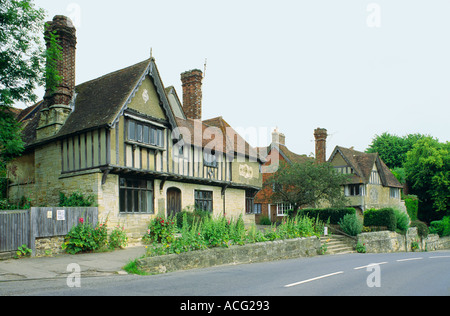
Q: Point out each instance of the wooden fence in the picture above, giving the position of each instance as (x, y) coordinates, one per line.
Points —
(19, 228)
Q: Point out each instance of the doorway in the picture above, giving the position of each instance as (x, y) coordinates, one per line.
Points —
(173, 201)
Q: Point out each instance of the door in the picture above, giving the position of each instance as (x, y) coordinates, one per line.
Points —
(273, 212)
(173, 201)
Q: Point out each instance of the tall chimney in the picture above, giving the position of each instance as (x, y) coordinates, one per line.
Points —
(192, 93)
(66, 37)
(321, 145)
(278, 138)
(57, 100)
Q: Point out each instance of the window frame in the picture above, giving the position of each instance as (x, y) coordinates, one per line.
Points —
(136, 134)
(203, 196)
(136, 196)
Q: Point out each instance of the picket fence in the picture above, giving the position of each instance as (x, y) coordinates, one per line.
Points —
(19, 228)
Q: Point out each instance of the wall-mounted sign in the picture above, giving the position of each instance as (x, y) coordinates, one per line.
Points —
(61, 215)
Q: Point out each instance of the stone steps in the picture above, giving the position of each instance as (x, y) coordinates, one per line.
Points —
(337, 244)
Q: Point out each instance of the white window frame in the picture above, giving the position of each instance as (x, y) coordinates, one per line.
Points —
(282, 209)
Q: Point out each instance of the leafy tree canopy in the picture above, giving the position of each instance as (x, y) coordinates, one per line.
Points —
(22, 64)
(427, 167)
(392, 148)
(305, 184)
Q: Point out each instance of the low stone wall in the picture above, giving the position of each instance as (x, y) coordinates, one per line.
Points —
(387, 241)
(250, 253)
(49, 246)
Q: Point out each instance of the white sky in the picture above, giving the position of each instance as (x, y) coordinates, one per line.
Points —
(294, 64)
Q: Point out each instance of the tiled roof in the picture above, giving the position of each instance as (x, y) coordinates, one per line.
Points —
(362, 164)
(99, 102)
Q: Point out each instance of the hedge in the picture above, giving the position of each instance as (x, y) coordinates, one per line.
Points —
(382, 217)
(334, 214)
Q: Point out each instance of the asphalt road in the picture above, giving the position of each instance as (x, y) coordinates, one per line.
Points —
(399, 274)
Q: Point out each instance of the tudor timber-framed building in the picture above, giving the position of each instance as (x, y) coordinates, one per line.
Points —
(130, 142)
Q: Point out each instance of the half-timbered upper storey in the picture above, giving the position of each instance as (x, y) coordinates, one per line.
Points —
(126, 122)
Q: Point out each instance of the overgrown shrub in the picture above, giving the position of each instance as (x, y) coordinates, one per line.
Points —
(351, 225)
(211, 232)
(334, 215)
(442, 227)
(402, 221)
(80, 238)
(412, 206)
(191, 217)
(381, 217)
(160, 230)
(76, 199)
(117, 238)
(264, 220)
(422, 228)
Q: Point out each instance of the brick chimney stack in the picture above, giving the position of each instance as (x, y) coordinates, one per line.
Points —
(57, 106)
(66, 37)
(192, 93)
(321, 135)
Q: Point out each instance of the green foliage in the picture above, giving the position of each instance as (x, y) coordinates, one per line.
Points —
(81, 238)
(22, 204)
(11, 144)
(21, 53)
(86, 238)
(382, 217)
(117, 238)
(442, 227)
(360, 248)
(76, 199)
(164, 237)
(402, 221)
(160, 230)
(428, 170)
(191, 216)
(351, 225)
(53, 54)
(333, 215)
(303, 184)
(264, 220)
(392, 148)
(412, 206)
(422, 228)
(23, 251)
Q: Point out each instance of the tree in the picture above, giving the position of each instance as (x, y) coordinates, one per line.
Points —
(427, 168)
(392, 148)
(305, 184)
(22, 64)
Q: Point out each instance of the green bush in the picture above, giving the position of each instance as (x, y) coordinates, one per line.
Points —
(163, 237)
(117, 238)
(191, 217)
(402, 221)
(160, 230)
(351, 225)
(412, 206)
(422, 228)
(76, 199)
(382, 217)
(442, 227)
(334, 215)
(264, 220)
(81, 238)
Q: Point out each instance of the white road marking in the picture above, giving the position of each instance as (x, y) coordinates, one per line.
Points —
(313, 279)
(409, 259)
(439, 257)
(369, 265)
